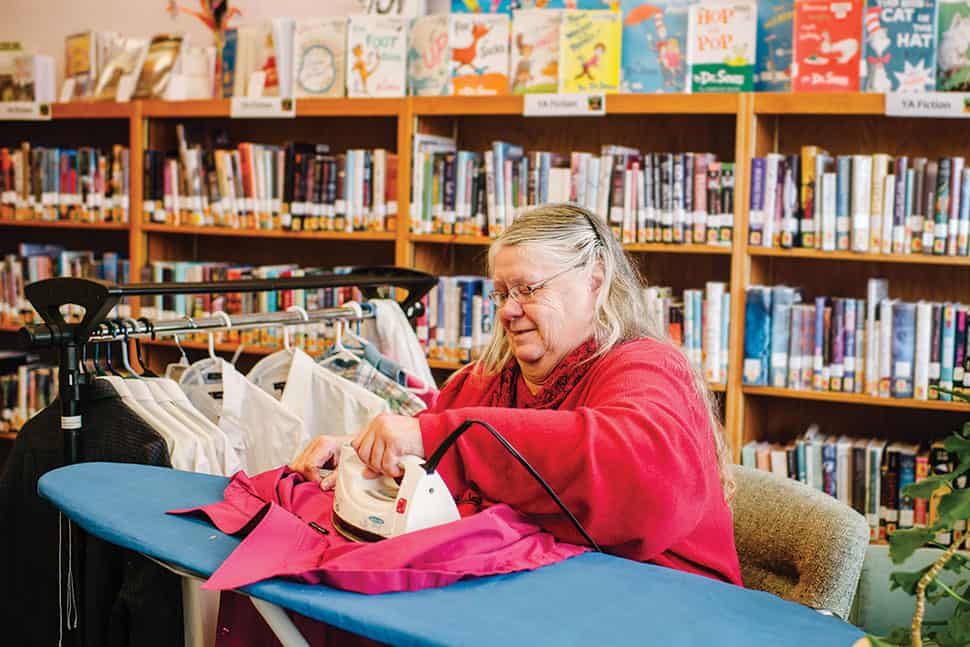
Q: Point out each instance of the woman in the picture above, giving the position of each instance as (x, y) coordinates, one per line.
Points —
(590, 391)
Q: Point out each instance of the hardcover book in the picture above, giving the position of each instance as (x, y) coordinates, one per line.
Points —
(900, 46)
(376, 53)
(479, 46)
(826, 46)
(81, 62)
(318, 57)
(589, 51)
(429, 57)
(156, 72)
(721, 46)
(953, 43)
(535, 51)
(654, 45)
(774, 52)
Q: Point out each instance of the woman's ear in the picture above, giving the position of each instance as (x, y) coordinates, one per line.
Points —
(596, 277)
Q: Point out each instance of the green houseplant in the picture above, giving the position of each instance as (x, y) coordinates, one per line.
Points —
(925, 584)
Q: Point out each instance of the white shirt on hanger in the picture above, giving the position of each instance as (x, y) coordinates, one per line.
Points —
(226, 457)
(391, 332)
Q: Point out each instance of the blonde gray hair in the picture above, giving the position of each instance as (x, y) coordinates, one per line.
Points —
(574, 237)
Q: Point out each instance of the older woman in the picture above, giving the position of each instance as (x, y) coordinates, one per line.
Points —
(590, 391)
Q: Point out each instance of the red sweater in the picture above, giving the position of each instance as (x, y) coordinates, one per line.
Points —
(628, 450)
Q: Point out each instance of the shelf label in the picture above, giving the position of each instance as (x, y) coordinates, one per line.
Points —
(564, 105)
(262, 108)
(25, 111)
(946, 105)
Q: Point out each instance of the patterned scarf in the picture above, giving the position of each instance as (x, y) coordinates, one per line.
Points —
(555, 389)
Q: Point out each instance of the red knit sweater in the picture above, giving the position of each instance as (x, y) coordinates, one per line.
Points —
(627, 449)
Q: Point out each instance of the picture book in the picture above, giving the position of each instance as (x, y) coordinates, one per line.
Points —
(267, 61)
(654, 45)
(826, 47)
(429, 56)
(9, 50)
(81, 62)
(507, 6)
(34, 78)
(899, 46)
(589, 51)
(479, 47)
(124, 60)
(535, 51)
(772, 72)
(721, 46)
(376, 51)
(953, 47)
(163, 54)
(318, 57)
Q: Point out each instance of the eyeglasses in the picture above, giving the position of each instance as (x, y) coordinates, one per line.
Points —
(524, 293)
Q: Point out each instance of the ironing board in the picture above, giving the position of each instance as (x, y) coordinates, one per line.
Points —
(590, 599)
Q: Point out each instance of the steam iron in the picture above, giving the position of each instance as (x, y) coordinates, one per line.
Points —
(367, 510)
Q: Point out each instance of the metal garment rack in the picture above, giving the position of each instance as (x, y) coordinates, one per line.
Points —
(97, 298)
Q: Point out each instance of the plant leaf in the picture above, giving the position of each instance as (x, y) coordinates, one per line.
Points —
(924, 489)
(957, 444)
(954, 506)
(956, 563)
(904, 543)
(907, 581)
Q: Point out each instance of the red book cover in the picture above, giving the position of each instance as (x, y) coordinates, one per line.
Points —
(827, 44)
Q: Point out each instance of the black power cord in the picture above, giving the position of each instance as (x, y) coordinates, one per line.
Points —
(431, 465)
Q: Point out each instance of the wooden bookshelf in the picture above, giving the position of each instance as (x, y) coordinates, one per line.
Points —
(442, 365)
(8, 436)
(829, 103)
(450, 239)
(187, 230)
(661, 248)
(914, 259)
(64, 224)
(92, 110)
(855, 398)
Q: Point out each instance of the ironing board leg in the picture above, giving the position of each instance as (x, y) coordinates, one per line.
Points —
(280, 623)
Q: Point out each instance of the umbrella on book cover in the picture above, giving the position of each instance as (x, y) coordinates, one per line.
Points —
(642, 13)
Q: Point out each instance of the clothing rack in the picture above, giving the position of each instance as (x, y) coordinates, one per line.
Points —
(97, 298)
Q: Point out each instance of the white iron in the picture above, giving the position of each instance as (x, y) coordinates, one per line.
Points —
(367, 510)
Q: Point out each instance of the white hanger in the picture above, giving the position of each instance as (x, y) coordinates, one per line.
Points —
(212, 336)
(286, 328)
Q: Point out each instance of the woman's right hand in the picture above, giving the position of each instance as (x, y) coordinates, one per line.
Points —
(320, 451)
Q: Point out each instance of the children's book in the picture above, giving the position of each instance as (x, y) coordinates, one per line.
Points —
(429, 56)
(376, 51)
(535, 51)
(721, 46)
(81, 62)
(507, 6)
(827, 46)
(900, 48)
(479, 47)
(589, 51)
(772, 71)
(953, 43)
(318, 57)
(654, 45)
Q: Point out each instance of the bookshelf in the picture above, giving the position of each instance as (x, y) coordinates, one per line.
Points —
(734, 126)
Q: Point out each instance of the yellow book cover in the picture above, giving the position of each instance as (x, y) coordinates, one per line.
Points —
(589, 51)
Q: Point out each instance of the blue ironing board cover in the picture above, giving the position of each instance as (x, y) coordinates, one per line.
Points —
(590, 599)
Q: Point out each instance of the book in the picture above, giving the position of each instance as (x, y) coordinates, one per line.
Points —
(774, 52)
(9, 50)
(900, 46)
(429, 56)
(589, 51)
(34, 78)
(953, 46)
(156, 71)
(654, 45)
(81, 62)
(721, 46)
(479, 54)
(122, 69)
(826, 48)
(757, 335)
(376, 56)
(318, 57)
(535, 51)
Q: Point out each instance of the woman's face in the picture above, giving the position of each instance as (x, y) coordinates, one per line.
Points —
(545, 327)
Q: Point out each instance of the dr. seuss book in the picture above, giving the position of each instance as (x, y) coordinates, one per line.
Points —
(428, 56)
(772, 71)
(535, 51)
(589, 51)
(506, 6)
(318, 57)
(721, 46)
(953, 47)
(826, 46)
(900, 51)
(479, 53)
(376, 52)
(654, 45)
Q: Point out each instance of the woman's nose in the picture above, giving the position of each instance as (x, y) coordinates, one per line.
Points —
(510, 309)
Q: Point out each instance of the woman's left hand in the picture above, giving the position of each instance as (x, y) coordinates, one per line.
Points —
(385, 441)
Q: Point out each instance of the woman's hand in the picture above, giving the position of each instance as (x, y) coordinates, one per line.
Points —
(318, 453)
(385, 441)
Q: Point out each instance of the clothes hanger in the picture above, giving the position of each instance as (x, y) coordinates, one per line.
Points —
(286, 328)
(145, 371)
(107, 350)
(124, 351)
(212, 334)
(359, 312)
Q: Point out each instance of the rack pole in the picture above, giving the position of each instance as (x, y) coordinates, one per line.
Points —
(69, 390)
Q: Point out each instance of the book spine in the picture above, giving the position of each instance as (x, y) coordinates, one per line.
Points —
(837, 341)
(843, 192)
(757, 335)
(903, 348)
(921, 357)
(861, 196)
(942, 212)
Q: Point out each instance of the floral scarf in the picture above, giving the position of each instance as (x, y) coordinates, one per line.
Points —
(560, 382)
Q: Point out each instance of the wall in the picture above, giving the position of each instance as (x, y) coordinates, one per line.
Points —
(42, 26)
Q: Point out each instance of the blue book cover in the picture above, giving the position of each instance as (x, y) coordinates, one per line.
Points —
(907, 476)
(228, 67)
(757, 334)
(782, 298)
(848, 381)
(947, 350)
(829, 465)
(654, 55)
(772, 72)
(900, 46)
(904, 348)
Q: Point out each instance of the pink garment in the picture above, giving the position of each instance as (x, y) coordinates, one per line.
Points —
(276, 508)
(429, 397)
